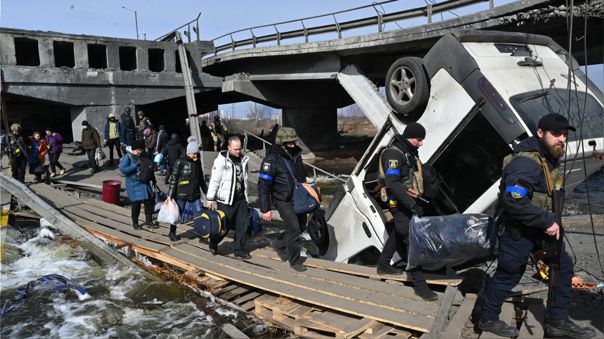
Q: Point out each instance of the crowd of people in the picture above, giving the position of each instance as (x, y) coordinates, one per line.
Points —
(528, 183)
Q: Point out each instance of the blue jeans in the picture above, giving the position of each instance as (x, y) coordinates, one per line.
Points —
(195, 205)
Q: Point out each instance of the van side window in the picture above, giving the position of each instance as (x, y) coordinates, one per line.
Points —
(469, 164)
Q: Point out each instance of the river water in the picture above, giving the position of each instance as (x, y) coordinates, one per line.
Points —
(122, 303)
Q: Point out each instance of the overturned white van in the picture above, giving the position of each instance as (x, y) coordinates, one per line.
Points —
(478, 93)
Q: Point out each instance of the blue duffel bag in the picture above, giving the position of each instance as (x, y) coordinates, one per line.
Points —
(255, 226)
(210, 223)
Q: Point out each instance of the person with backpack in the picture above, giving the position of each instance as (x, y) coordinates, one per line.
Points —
(128, 128)
(281, 166)
(218, 130)
(139, 178)
(186, 183)
(403, 176)
(228, 187)
(18, 150)
(90, 142)
(172, 151)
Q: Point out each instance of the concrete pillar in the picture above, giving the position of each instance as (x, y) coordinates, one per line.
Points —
(46, 49)
(95, 115)
(113, 56)
(170, 60)
(315, 126)
(142, 59)
(80, 53)
(7, 50)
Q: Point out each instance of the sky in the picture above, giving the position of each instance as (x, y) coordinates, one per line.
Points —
(157, 17)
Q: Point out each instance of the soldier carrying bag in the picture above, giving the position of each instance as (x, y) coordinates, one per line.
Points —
(304, 201)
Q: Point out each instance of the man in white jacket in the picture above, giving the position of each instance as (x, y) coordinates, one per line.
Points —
(228, 193)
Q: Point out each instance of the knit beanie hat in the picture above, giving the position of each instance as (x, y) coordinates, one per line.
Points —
(414, 131)
(138, 144)
(191, 139)
(192, 147)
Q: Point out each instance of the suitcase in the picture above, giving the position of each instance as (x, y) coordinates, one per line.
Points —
(210, 223)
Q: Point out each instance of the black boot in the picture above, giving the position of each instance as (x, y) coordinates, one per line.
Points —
(498, 327)
(150, 223)
(172, 234)
(387, 269)
(422, 290)
(136, 225)
(566, 329)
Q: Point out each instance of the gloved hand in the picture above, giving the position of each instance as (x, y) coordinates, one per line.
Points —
(417, 210)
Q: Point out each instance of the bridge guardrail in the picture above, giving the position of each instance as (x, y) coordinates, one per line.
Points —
(265, 142)
(380, 19)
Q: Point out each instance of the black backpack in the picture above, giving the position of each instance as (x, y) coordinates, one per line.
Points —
(146, 170)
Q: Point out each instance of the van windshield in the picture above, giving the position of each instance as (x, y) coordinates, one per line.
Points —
(531, 106)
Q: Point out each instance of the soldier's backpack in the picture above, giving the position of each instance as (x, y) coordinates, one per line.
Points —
(210, 223)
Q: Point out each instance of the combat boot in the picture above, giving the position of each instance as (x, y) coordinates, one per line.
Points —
(567, 329)
(498, 327)
(422, 290)
(136, 225)
(387, 269)
(172, 235)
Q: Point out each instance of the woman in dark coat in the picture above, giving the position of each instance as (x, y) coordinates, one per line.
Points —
(139, 192)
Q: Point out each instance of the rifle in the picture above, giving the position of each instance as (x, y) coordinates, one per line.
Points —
(552, 248)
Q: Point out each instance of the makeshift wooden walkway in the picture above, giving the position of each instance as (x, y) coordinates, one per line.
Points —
(329, 299)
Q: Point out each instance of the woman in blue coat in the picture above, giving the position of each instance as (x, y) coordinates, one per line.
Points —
(139, 177)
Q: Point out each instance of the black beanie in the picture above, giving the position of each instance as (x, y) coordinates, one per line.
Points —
(138, 144)
(414, 131)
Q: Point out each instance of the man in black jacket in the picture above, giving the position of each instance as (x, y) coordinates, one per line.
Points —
(18, 150)
(403, 177)
(186, 183)
(276, 185)
(527, 185)
(172, 151)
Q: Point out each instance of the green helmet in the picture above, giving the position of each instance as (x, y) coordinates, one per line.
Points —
(15, 128)
(285, 134)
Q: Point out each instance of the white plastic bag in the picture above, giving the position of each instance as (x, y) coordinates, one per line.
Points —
(99, 155)
(168, 213)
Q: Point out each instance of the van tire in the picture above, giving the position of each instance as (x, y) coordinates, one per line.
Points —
(317, 228)
(407, 88)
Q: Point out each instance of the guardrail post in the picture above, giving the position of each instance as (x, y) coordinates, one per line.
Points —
(197, 26)
(189, 32)
(380, 19)
(337, 26)
(491, 4)
(245, 140)
(253, 38)
(305, 31)
(278, 35)
(232, 42)
(429, 13)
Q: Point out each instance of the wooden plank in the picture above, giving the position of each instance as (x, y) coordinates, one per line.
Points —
(442, 316)
(243, 299)
(458, 322)
(127, 229)
(265, 279)
(124, 237)
(402, 294)
(234, 292)
(377, 330)
(364, 271)
(289, 276)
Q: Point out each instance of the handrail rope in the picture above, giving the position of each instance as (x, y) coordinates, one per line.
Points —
(305, 163)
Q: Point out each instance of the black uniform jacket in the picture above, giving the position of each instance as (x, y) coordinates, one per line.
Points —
(187, 179)
(520, 178)
(275, 180)
(397, 168)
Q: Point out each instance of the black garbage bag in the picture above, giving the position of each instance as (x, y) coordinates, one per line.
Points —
(435, 242)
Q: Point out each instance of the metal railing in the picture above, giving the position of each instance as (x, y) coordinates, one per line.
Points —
(170, 35)
(380, 19)
(265, 142)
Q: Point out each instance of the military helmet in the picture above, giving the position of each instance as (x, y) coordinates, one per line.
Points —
(15, 128)
(285, 134)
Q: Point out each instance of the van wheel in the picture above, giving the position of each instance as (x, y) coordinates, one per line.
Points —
(407, 88)
(317, 229)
